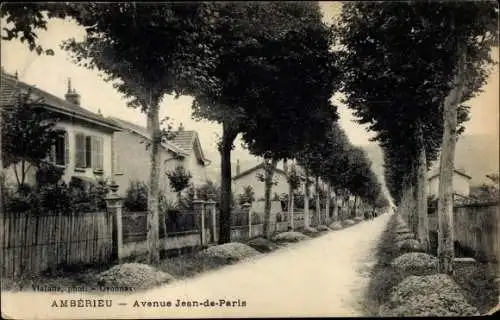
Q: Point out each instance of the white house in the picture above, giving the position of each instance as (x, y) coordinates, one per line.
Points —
(461, 184)
(133, 160)
(85, 148)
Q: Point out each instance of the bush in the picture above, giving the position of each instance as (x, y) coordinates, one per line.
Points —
(231, 252)
(290, 236)
(415, 263)
(431, 295)
(133, 275)
(358, 219)
(136, 197)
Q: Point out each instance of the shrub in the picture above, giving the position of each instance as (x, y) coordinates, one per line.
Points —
(133, 275)
(136, 197)
(358, 219)
(415, 263)
(431, 295)
(290, 236)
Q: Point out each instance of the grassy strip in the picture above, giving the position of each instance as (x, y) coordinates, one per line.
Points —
(383, 276)
(476, 280)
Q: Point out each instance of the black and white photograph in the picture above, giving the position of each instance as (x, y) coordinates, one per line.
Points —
(253, 159)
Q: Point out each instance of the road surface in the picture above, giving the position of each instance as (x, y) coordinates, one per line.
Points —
(324, 276)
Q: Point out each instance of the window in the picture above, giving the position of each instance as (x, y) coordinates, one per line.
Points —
(58, 151)
(89, 152)
(80, 159)
(97, 153)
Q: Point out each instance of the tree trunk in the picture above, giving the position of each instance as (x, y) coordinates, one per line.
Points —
(270, 167)
(446, 168)
(226, 145)
(154, 185)
(2, 184)
(422, 210)
(318, 204)
(354, 207)
(306, 201)
(335, 207)
(292, 214)
(327, 204)
(290, 205)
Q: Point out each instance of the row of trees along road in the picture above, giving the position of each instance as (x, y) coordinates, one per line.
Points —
(262, 70)
(409, 68)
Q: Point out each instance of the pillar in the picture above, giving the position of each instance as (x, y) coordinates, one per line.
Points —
(199, 210)
(114, 205)
(247, 207)
(210, 207)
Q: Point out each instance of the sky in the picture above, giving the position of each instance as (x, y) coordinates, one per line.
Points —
(51, 74)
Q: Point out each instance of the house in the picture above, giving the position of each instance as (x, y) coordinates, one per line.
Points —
(251, 177)
(133, 160)
(461, 184)
(85, 148)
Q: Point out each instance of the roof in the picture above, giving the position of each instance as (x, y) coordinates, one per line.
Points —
(10, 87)
(259, 166)
(181, 144)
(143, 132)
(456, 171)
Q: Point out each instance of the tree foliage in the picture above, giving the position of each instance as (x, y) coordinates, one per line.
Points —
(28, 134)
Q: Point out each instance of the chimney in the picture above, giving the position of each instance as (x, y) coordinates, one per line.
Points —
(181, 127)
(237, 167)
(285, 166)
(72, 96)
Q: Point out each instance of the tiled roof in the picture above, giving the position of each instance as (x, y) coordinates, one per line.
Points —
(185, 139)
(142, 131)
(10, 87)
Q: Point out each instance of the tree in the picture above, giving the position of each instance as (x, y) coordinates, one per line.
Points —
(293, 184)
(255, 64)
(248, 195)
(403, 88)
(148, 51)
(179, 180)
(28, 134)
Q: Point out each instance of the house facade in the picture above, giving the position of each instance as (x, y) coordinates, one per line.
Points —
(461, 184)
(133, 159)
(250, 177)
(85, 148)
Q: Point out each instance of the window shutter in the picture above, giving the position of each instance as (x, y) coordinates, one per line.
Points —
(66, 148)
(80, 151)
(97, 154)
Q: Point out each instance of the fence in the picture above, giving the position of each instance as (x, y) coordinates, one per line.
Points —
(33, 243)
(476, 228)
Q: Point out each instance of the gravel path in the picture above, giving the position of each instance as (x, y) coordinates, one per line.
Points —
(324, 276)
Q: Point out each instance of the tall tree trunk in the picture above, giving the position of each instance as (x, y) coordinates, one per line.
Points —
(154, 184)
(447, 166)
(354, 207)
(335, 207)
(2, 174)
(306, 201)
(270, 167)
(422, 210)
(228, 136)
(292, 214)
(290, 205)
(327, 204)
(318, 203)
